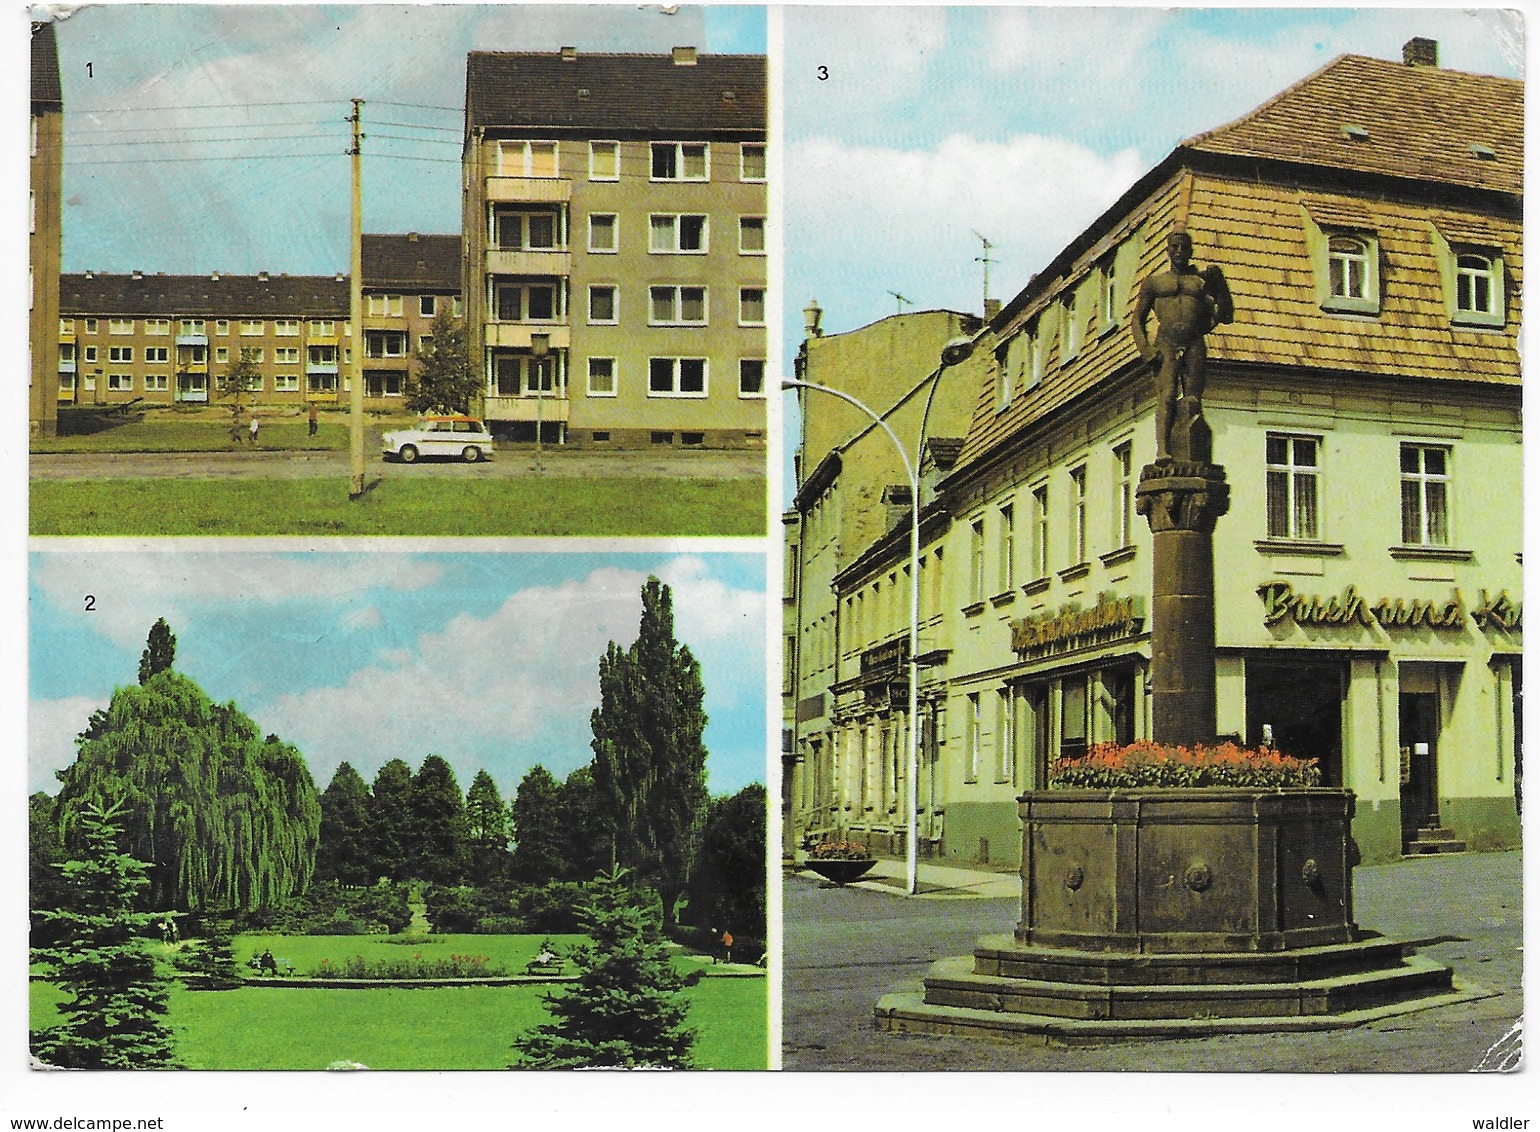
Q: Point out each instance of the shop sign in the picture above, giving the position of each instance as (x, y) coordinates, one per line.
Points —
(1280, 604)
(1110, 618)
(888, 657)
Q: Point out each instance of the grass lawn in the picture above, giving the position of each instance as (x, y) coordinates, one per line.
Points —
(442, 505)
(176, 432)
(448, 1028)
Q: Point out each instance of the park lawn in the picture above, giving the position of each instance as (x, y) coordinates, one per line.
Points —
(400, 505)
(171, 433)
(306, 951)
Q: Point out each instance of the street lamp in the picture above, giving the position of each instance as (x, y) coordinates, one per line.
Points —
(540, 347)
(956, 351)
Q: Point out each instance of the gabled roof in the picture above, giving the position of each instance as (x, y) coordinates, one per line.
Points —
(411, 262)
(614, 93)
(1421, 122)
(47, 93)
(204, 296)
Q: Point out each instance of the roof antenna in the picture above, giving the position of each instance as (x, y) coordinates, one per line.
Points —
(901, 301)
(986, 261)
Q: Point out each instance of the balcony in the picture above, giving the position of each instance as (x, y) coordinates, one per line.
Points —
(321, 367)
(520, 335)
(547, 408)
(514, 261)
(66, 366)
(192, 339)
(517, 190)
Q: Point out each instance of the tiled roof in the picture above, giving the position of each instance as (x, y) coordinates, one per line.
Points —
(612, 93)
(204, 296)
(1421, 123)
(411, 262)
(46, 91)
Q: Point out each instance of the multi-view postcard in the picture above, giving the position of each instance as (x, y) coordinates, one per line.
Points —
(1099, 429)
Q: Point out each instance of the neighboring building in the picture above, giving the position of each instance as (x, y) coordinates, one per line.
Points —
(615, 246)
(45, 203)
(1365, 403)
(408, 280)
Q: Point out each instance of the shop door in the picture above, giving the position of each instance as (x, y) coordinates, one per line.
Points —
(1419, 763)
(1300, 706)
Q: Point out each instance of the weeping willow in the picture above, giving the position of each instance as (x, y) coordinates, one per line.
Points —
(228, 818)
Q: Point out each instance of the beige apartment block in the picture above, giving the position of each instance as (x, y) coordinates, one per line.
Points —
(45, 204)
(408, 280)
(615, 240)
(1365, 404)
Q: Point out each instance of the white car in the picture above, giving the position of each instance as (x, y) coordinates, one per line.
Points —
(464, 437)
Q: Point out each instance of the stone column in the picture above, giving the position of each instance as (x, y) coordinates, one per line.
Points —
(1182, 500)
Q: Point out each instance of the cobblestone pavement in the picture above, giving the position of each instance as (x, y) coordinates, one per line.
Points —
(845, 948)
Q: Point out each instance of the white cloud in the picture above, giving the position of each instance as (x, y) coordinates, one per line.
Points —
(51, 729)
(1096, 48)
(366, 618)
(873, 57)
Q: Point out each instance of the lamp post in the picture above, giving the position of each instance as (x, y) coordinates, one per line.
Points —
(955, 351)
(540, 348)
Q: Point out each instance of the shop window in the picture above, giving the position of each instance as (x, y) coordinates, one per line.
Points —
(1296, 707)
(1424, 495)
(1293, 485)
(1072, 717)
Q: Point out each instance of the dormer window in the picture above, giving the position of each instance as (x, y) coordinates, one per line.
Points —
(1344, 257)
(1475, 286)
(1347, 259)
(1471, 266)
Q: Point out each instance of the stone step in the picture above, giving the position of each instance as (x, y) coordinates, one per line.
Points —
(952, 984)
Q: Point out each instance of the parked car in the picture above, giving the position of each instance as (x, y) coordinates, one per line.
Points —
(465, 437)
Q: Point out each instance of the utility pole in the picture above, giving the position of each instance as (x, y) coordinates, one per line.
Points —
(986, 261)
(355, 367)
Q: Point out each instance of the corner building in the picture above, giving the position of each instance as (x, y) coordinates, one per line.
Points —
(1365, 404)
(615, 239)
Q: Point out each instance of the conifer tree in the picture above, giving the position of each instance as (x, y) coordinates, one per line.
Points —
(649, 756)
(487, 826)
(344, 854)
(390, 817)
(626, 1009)
(115, 1016)
(539, 855)
(159, 651)
(588, 846)
(439, 834)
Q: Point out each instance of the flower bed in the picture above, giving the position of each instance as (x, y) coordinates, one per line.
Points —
(1145, 763)
(839, 851)
(446, 967)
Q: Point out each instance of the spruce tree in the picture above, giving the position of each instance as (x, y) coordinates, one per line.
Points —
(487, 826)
(539, 855)
(390, 817)
(588, 846)
(649, 755)
(439, 834)
(626, 1009)
(159, 651)
(115, 1016)
(344, 854)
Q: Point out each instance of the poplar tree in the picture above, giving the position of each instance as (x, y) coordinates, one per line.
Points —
(159, 651)
(344, 854)
(626, 1009)
(115, 1015)
(649, 756)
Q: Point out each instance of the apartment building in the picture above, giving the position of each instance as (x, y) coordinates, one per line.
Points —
(615, 240)
(1365, 403)
(45, 202)
(409, 279)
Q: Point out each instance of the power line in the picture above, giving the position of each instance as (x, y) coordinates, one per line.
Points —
(417, 106)
(208, 106)
(417, 126)
(212, 157)
(70, 130)
(212, 141)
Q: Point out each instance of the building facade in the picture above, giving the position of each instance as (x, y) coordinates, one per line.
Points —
(1365, 402)
(615, 238)
(45, 204)
(409, 280)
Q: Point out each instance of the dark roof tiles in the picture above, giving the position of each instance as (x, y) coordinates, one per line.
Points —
(411, 262)
(46, 90)
(203, 296)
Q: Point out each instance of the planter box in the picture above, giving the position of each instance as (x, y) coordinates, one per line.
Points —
(842, 872)
(1193, 870)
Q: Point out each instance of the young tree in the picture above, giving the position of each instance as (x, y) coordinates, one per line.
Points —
(211, 957)
(344, 854)
(539, 837)
(625, 1010)
(649, 757)
(240, 378)
(443, 381)
(228, 819)
(390, 818)
(727, 887)
(159, 651)
(487, 821)
(114, 1018)
(438, 832)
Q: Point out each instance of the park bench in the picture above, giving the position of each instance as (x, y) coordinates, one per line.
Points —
(280, 966)
(547, 962)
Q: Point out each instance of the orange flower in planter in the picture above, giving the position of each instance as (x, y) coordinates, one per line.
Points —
(1145, 762)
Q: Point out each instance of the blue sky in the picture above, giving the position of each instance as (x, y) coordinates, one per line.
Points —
(204, 138)
(488, 659)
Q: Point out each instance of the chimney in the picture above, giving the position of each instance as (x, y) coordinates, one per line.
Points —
(991, 308)
(411, 237)
(214, 275)
(684, 56)
(138, 275)
(1420, 52)
(812, 319)
(569, 54)
(261, 277)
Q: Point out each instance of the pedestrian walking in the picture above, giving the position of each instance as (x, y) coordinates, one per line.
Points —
(727, 947)
(254, 427)
(313, 424)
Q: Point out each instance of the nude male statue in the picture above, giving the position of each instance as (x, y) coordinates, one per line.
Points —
(1188, 304)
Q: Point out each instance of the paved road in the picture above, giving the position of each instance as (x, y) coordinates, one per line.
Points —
(258, 464)
(845, 948)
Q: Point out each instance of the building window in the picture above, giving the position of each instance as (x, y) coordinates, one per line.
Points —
(286, 383)
(1007, 547)
(976, 557)
(221, 326)
(975, 737)
(317, 355)
(1424, 495)
(678, 233)
(602, 304)
(286, 355)
(286, 327)
(427, 305)
(66, 326)
(321, 382)
(676, 377)
(751, 235)
(90, 326)
(1111, 298)
(525, 229)
(1040, 530)
(120, 382)
(1005, 736)
(524, 302)
(157, 326)
(193, 326)
(382, 383)
(157, 355)
(521, 374)
(1475, 287)
(526, 159)
(156, 383)
(119, 326)
(66, 353)
(1037, 355)
(751, 377)
(601, 377)
(384, 343)
(603, 232)
(680, 161)
(1069, 344)
(751, 306)
(252, 328)
(1346, 267)
(90, 354)
(1077, 513)
(1123, 505)
(323, 328)
(1293, 474)
(252, 354)
(120, 355)
(380, 306)
(752, 162)
(676, 306)
(1347, 259)
(604, 161)
(1073, 706)
(456, 308)
(222, 355)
